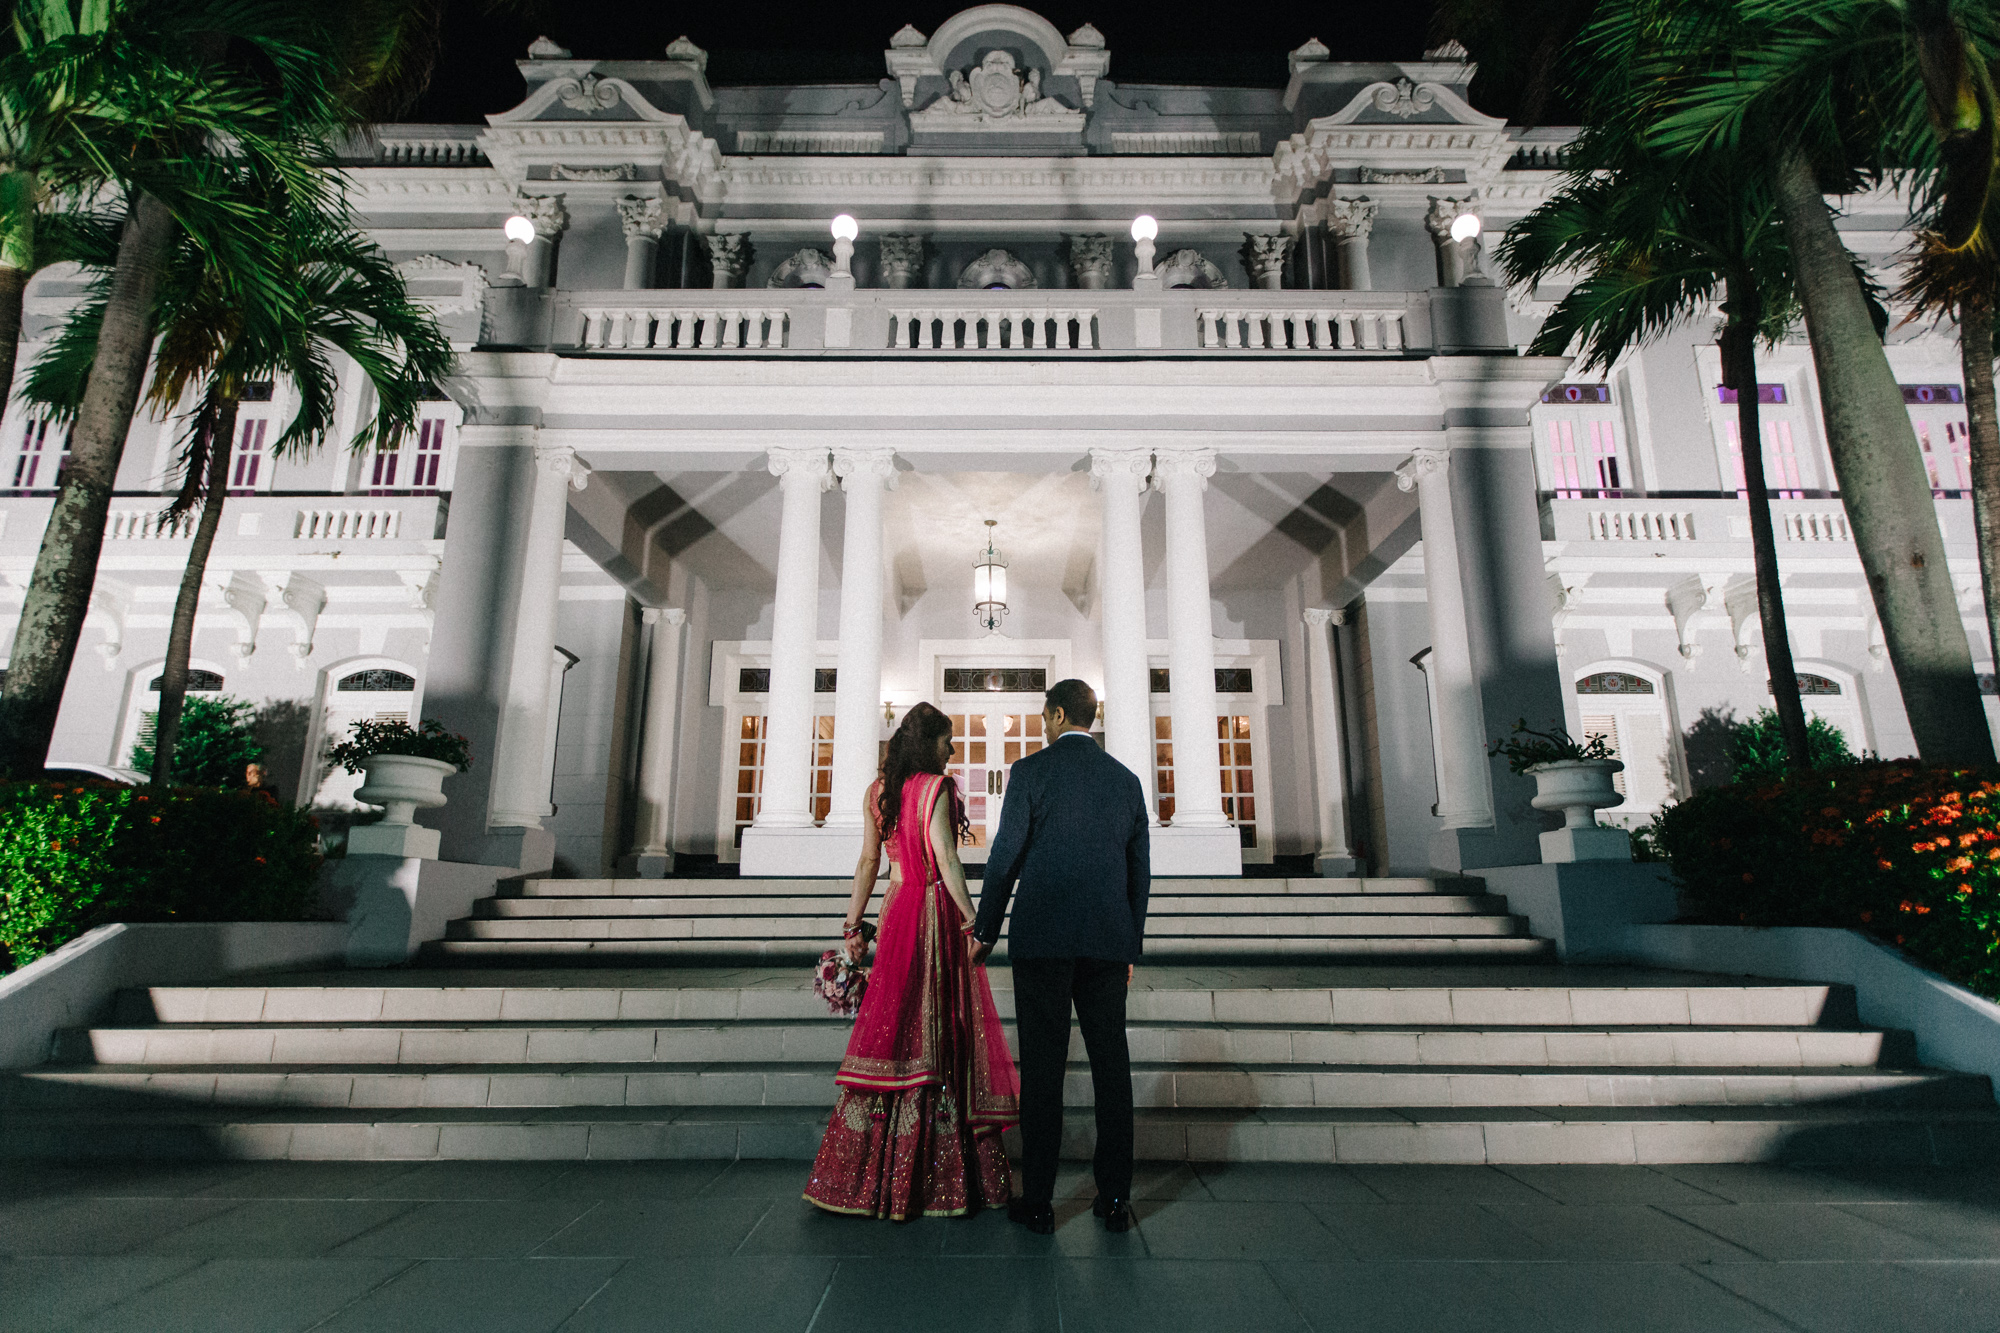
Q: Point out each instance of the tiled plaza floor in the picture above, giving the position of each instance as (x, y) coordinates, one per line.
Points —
(664, 1247)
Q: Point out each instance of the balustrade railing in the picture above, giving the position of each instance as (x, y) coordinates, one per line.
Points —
(1321, 329)
(710, 326)
(348, 524)
(1639, 525)
(1043, 330)
(1816, 525)
(124, 525)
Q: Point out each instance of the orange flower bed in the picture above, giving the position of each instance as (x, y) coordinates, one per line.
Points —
(1907, 854)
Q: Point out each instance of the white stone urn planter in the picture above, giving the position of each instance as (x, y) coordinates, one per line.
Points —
(1580, 788)
(402, 784)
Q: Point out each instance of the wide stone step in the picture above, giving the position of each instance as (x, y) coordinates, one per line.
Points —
(820, 910)
(725, 887)
(1154, 1085)
(774, 1040)
(708, 995)
(1931, 1136)
(625, 953)
(1271, 931)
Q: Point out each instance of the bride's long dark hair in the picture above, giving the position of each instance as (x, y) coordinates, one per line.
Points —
(912, 750)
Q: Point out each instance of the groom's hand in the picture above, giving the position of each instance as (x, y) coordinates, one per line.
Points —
(980, 950)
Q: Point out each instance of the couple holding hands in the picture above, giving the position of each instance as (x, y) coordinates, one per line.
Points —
(927, 1084)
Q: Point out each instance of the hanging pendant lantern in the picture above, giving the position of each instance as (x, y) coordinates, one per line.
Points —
(989, 584)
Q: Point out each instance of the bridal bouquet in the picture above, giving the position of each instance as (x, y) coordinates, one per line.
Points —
(839, 982)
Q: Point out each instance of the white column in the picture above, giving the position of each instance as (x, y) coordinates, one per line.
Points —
(857, 700)
(537, 261)
(1466, 796)
(1120, 477)
(643, 220)
(1350, 221)
(1183, 475)
(519, 800)
(1329, 755)
(654, 854)
(788, 727)
(1457, 260)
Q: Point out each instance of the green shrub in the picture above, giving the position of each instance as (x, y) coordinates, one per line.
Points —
(1908, 854)
(429, 741)
(218, 739)
(1757, 747)
(74, 857)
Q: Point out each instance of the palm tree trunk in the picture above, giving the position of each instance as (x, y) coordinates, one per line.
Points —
(13, 289)
(66, 566)
(1975, 349)
(180, 639)
(1739, 372)
(1883, 484)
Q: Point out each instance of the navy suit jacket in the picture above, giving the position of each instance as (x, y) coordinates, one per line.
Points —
(1073, 835)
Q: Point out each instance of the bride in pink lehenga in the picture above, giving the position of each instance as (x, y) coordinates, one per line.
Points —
(927, 1085)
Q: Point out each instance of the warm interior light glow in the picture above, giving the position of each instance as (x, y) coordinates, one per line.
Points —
(1145, 227)
(845, 228)
(520, 229)
(1465, 226)
(982, 584)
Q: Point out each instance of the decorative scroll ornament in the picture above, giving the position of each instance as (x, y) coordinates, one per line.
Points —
(995, 89)
(624, 171)
(589, 94)
(1187, 269)
(1404, 98)
(998, 268)
(806, 268)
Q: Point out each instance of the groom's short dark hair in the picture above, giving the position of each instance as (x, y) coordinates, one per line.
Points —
(1077, 701)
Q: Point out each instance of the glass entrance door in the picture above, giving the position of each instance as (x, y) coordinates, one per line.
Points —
(985, 745)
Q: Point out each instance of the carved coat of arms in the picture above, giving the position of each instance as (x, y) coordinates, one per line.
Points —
(994, 89)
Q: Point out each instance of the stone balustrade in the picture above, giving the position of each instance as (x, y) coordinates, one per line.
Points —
(348, 524)
(1722, 518)
(148, 525)
(1639, 525)
(811, 321)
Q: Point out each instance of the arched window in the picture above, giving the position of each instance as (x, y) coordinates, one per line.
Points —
(199, 682)
(1614, 682)
(1630, 711)
(377, 680)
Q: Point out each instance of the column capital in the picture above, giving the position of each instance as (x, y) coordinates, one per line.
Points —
(645, 217)
(1319, 617)
(1351, 219)
(546, 211)
(801, 465)
(1131, 465)
(1197, 464)
(729, 253)
(671, 616)
(1265, 253)
(1444, 211)
(1424, 463)
(559, 460)
(877, 463)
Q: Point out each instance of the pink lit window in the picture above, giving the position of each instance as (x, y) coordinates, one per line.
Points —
(1566, 481)
(249, 463)
(33, 467)
(1781, 460)
(430, 454)
(1572, 471)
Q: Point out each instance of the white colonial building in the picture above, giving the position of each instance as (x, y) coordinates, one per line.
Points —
(699, 517)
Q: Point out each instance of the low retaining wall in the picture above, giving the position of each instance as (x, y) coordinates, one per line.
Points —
(71, 987)
(1955, 1028)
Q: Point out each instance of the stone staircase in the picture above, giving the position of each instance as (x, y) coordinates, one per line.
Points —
(623, 921)
(1357, 1063)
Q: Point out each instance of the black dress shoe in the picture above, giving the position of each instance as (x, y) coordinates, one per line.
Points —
(1039, 1218)
(1117, 1213)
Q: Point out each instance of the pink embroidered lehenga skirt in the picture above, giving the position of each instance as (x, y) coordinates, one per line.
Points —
(927, 1085)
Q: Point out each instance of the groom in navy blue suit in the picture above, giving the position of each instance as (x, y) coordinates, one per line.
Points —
(1073, 834)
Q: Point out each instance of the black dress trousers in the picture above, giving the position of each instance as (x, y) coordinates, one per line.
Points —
(1044, 990)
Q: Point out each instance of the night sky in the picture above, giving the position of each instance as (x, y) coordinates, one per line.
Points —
(1174, 41)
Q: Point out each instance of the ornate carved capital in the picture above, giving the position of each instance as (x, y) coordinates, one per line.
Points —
(1090, 259)
(673, 617)
(559, 460)
(1423, 464)
(1444, 211)
(730, 252)
(546, 211)
(1265, 254)
(1319, 617)
(800, 466)
(1196, 465)
(1351, 219)
(642, 217)
(877, 463)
